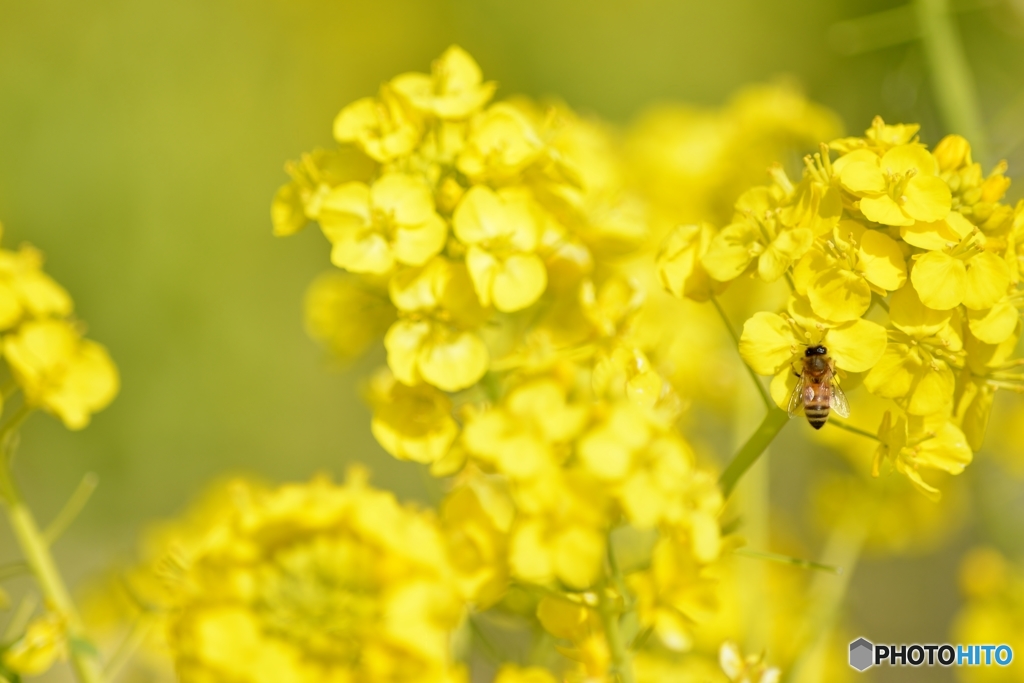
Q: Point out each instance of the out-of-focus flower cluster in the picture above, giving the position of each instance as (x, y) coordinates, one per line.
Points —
(902, 261)
(47, 355)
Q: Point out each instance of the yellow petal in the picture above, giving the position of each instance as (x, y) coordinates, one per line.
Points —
(940, 280)
(404, 199)
(768, 342)
(452, 360)
(578, 556)
(856, 346)
(839, 295)
(881, 260)
(909, 314)
(933, 392)
(287, 212)
(731, 251)
(894, 374)
(995, 325)
(913, 157)
(859, 172)
(365, 252)
(883, 209)
(414, 245)
(784, 249)
(518, 282)
(927, 199)
(403, 343)
(988, 276)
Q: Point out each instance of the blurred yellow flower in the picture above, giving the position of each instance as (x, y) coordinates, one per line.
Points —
(384, 128)
(434, 340)
(912, 443)
(26, 291)
(61, 372)
(313, 582)
(411, 423)
(43, 643)
(453, 90)
(347, 314)
(502, 236)
(374, 227)
(749, 669)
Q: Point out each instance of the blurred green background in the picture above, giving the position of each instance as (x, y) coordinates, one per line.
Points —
(141, 143)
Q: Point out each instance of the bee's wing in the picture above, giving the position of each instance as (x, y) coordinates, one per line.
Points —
(837, 399)
(796, 399)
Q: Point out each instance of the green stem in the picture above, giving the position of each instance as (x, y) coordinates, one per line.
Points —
(950, 73)
(770, 427)
(44, 568)
(768, 403)
(853, 430)
(622, 660)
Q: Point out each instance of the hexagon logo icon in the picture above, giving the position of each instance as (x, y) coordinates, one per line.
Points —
(861, 654)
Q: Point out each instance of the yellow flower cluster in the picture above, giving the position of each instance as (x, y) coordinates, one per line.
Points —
(55, 367)
(305, 582)
(488, 243)
(901, 261)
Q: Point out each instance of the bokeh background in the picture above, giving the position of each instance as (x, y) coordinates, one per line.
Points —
(141, 143)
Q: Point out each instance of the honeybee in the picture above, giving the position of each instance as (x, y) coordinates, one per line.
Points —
(816, 389)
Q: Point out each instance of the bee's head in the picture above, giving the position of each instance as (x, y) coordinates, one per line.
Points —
(818, 350)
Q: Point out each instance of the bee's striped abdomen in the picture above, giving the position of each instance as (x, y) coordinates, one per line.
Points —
(817, 413)
(816, 404)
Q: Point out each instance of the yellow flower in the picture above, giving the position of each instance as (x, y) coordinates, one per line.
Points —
(898, 188)
(501, 144)
(572, 619)
(411, 423)
(384, 128)
(756, 237)
(314, 582)
(477, 518)
(674, 594)
(749, 669)
(373, 227)
(61, 372)
(454, 89)
(650, 470)
(26, 291)
(987, 368)
(924, 347)
(679, 266)
(313, 176)
(434, 339)
(774, 344)
(625, 372)
(560, 532)
(346, 314)
(529, 433)
(964, 273)
(839, 277)
(502, 234)
(42, 644)
(914, 443)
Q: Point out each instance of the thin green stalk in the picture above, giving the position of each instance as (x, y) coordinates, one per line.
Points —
(950, 74)
(770, 427)
(827, 594)
(768, 403)
(853, 430)
(622, 659)
(40, 560)
(70, 511)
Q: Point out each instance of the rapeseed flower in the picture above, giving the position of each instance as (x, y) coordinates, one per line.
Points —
(309, 582)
